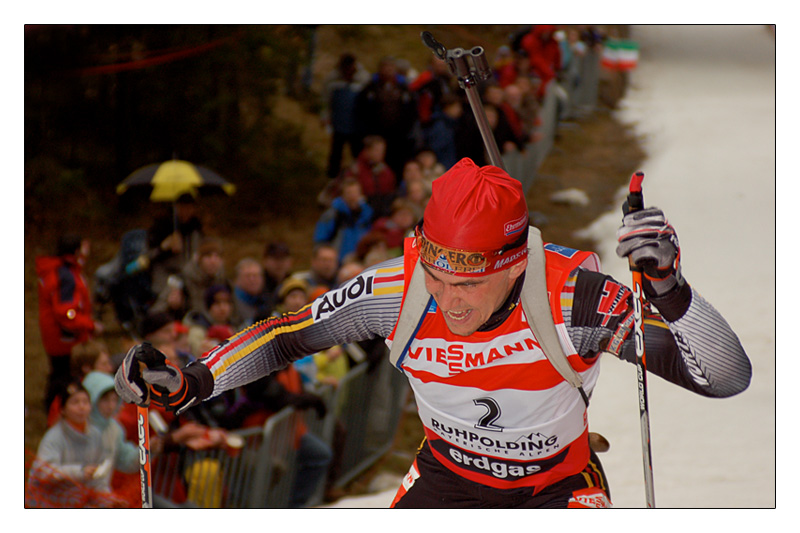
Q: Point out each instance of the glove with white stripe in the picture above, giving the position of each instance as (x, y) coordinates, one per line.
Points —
(147, 376)
(649, 241)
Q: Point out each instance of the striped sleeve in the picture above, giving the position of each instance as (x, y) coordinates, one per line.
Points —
(698, 351)
(710, 350)
(366, 307)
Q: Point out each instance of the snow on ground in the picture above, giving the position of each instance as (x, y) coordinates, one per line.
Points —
(703, 98)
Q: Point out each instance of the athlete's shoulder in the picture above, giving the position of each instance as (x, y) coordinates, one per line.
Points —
(383, 282)
(566, 258)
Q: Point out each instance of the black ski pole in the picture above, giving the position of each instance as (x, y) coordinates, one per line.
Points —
(469, 67)
(635, 202)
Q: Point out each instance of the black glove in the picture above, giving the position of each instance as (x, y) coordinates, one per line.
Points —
(308, 400)
(146, 376)
(649, 241)
(128, 380)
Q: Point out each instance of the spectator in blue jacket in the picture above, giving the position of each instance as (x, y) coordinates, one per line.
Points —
(347, 220)
(123, 455)
(440, 135)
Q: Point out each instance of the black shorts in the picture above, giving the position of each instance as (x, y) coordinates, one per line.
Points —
(430, 485)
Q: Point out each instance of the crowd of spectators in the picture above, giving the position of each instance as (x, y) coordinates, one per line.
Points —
(169, 285)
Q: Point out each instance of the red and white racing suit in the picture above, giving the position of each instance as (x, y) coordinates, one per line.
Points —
(501, 425)
(470, 391)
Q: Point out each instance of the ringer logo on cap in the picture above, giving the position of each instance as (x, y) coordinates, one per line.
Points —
(515, 226)
(451, 260)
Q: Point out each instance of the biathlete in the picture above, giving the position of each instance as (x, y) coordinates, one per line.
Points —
(502, 427)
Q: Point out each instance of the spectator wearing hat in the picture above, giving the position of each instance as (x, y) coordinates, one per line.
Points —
(277, 262)
(204, 271)
(293, 295)
(123, 476)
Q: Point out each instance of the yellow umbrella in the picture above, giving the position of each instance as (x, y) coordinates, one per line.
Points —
(171, 179)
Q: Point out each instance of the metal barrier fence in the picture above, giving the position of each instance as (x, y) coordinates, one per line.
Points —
(369, 407)
(574, 96)
(365, 406)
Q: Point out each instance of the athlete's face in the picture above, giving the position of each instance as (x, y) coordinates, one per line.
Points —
(466, 303)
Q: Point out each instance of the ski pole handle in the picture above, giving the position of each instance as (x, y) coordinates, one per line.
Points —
(635, 202)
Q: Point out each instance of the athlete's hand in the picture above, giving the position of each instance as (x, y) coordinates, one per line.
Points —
(649, 241)
(147, 376)
(128, 381)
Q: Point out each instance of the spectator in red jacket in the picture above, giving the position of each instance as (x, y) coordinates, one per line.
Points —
(430, 87)
(65, 308)
(544, 54)
(505, 67)
(378, 181)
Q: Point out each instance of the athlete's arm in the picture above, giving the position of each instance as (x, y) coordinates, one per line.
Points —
(364, 308)
(688, 342)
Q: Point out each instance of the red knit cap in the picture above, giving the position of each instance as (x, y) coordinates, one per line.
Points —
(476, 221)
